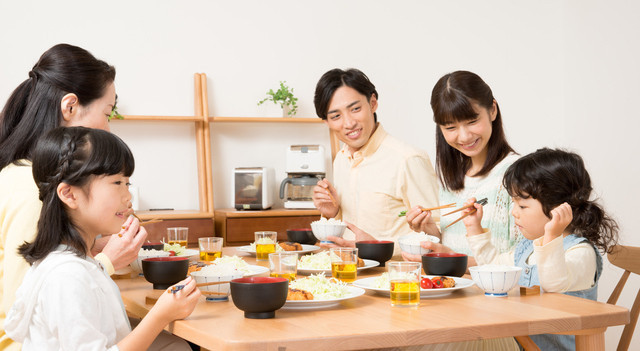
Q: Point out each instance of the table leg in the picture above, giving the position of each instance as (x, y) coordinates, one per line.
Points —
(590, 342)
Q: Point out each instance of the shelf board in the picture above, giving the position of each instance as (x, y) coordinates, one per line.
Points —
(173, 214)
(266, 119)
(279, 212)
(159, 118)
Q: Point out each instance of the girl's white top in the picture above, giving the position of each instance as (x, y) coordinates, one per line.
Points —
(497, 212)
(67, 303)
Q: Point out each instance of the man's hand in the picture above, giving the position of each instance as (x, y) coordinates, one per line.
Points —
(325, 199)
(123, 248)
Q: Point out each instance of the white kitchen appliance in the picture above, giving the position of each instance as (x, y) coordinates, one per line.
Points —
(305, 166)
(252, 188)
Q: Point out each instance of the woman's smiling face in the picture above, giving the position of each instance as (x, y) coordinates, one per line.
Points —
(471, 137)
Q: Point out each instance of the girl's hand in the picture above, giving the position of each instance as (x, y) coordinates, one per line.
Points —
(325, 199)
(429, 245)
(561, 217)
(123, 248)
(472, 221)
(170, 306)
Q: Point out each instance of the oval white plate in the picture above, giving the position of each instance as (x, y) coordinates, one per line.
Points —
(327, 272)
(305, 249)
(310, 304)
(461, 283)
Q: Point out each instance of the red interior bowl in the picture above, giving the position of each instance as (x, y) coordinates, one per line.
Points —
(444, 254)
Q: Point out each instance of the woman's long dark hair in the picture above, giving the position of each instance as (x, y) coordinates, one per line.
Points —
(557, 176)
(451, 100)
(34, 106)
(72, 156)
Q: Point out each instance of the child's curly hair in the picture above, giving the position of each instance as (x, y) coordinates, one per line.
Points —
(554, 176)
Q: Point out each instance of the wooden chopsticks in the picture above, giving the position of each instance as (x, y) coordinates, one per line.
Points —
(152, 220)
(481, 202)
(439, 207)
(177, 288)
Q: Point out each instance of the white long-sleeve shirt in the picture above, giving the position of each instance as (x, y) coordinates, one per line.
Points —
(67, 303)
(558, 270)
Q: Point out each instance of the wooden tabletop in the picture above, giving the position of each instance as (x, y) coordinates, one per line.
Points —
(369, 321)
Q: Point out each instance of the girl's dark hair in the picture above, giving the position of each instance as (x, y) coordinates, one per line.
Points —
(70, 155)
(554, 177)
(451, 101)
(336, 78)
(34, 106)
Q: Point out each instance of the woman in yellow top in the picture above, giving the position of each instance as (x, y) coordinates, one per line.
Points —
(66, 87)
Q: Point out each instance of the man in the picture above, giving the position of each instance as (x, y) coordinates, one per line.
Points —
(375, 175)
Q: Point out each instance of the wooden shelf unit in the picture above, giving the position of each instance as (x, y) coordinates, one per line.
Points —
(277, 219)
(238, 227)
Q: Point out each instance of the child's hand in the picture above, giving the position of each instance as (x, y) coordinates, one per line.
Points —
(472, 221)
(561, 217)
(170, 306)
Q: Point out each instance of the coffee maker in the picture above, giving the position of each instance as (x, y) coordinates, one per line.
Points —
(305, 166)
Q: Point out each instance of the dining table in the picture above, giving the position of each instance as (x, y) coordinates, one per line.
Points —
(370, 322)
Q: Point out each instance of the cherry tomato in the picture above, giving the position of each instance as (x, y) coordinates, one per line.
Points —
(426, 283)
(437, 283)
(172, 253)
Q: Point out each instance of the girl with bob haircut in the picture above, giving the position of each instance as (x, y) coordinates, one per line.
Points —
(472, 155)
(67, 301)
(563, 229)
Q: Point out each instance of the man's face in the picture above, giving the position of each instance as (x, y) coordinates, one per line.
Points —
(350, 116)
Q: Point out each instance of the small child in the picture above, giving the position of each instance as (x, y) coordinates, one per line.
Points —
(563, 230)
(67, 301)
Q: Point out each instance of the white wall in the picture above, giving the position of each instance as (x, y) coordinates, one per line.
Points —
(564, 72)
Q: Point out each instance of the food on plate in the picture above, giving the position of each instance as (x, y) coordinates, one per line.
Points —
(177, 249)
(320, 287)
(320, 260)
(226, 265)
(290, 246)
(196, 266)
(382, 282)
(299, 294)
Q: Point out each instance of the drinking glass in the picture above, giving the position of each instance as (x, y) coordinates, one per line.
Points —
(344, 263)
(283, 265)
(265, 244)
(404, 279)
(178, 235)
(210, 248)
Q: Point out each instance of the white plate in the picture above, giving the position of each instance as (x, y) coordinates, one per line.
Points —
(256, 270)
(461, 283)
(310, 304)
(193, 254)
(367, 264)
(305, 249)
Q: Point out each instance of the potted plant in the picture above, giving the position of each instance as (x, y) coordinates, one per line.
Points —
(284, 98)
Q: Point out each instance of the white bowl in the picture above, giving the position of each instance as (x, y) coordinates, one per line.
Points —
(495, 280)
(137, 264)
(222, 290)
(321, 230)
(410, 243)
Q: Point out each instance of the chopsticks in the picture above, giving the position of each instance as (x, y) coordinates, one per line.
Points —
(404, 213)
(152, 220)
(177, 288)
(481, 202)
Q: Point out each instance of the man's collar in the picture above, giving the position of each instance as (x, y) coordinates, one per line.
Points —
(370, 147)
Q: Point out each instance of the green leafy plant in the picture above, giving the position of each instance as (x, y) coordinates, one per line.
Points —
(283, 97)
(114, 111)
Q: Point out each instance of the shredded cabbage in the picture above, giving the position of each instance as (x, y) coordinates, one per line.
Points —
(383, 282)
(321, 287)
(177, 248)
(236, 261)
(321, 260)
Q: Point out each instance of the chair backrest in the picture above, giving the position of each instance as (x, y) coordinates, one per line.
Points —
(627, 258)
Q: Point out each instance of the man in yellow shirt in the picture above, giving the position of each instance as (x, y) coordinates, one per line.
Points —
(375, 176)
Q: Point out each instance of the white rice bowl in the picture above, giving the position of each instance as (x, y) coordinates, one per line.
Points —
(324, 228)
(410, 243)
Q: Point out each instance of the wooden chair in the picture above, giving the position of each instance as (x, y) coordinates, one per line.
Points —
(627, 258)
